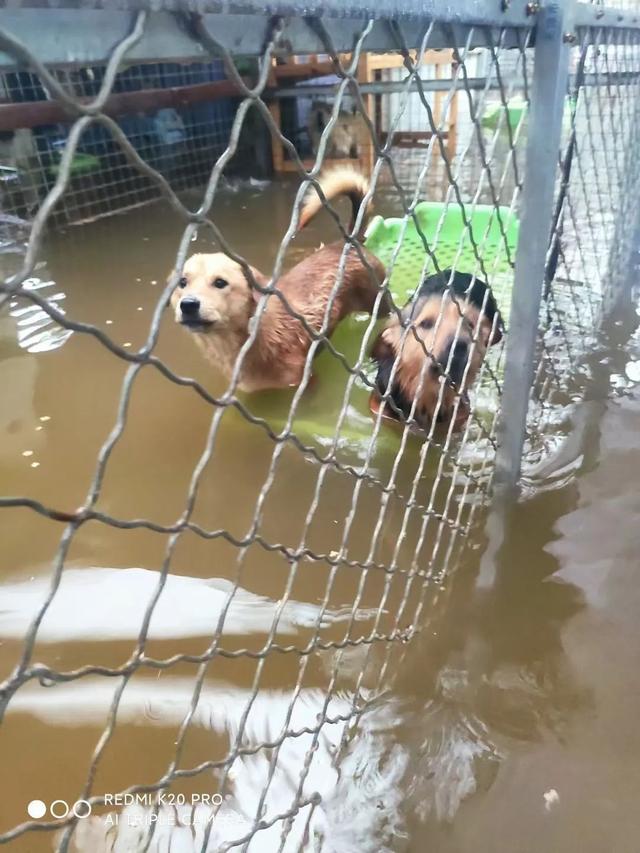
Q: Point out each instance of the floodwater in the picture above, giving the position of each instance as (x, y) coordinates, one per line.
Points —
(508, 723)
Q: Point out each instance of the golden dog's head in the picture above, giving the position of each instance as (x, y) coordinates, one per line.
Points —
(455, 324)
(214, 294)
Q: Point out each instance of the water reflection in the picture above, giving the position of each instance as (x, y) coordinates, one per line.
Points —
(14, 233)
(358, 805)
(488, 675)
(21, 430)
(36, 331)
(110, 604)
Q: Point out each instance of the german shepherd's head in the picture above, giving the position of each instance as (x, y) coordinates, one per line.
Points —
(437, 346)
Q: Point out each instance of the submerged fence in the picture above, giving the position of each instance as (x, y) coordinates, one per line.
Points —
(536, 196)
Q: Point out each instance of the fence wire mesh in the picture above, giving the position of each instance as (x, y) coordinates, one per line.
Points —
(180, 140)
(593, 219)
(359, 524)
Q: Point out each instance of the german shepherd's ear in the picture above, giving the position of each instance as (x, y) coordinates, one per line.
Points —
(494, 320)
(384, 353)
(492, 331)
(387, 344)
(381, 350)
(255, 293)
(496, 330)
(481, 296)
(384, 356)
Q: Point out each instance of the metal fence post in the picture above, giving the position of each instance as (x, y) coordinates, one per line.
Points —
(550, 78)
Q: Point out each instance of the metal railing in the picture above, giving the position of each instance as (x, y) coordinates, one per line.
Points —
(562, 159)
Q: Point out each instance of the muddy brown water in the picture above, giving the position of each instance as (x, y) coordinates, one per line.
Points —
(510, 722)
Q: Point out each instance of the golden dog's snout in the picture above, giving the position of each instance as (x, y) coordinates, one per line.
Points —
(189, 306)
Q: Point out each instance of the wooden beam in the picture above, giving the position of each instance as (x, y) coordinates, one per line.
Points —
(303, 70)
(365, 74)
(38, 113)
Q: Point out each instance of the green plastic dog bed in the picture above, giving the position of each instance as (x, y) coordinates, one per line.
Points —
(483, 246)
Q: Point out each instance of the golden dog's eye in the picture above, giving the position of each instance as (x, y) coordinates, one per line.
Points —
(427, 324)
(220, 283)
(182, 282)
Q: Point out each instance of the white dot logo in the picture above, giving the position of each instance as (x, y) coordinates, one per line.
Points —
(36, 809)
(59, 809)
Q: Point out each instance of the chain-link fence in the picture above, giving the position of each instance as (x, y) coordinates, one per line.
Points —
(500, 143)
(180, 139)
(592, 225)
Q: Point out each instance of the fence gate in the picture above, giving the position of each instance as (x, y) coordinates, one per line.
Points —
(518, 123)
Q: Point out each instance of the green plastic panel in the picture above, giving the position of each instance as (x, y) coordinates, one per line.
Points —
(444, 232)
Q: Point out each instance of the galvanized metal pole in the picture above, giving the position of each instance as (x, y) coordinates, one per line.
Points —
(550, 78)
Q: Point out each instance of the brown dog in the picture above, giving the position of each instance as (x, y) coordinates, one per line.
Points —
(216, 301)
(455, 319)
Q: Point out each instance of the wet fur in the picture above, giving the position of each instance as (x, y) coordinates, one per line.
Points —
(435, 318)
(278, 355)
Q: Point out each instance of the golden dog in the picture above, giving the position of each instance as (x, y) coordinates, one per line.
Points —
(216, 302)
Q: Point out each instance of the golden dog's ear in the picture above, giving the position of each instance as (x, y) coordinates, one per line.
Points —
(260, 280)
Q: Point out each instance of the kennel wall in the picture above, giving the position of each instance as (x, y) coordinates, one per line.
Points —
(109, 105)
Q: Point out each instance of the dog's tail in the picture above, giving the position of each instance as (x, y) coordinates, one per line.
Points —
(336, 182)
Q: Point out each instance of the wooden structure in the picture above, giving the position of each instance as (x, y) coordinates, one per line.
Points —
(370, 68)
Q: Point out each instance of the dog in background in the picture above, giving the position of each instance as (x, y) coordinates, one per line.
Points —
(440, 338)
(348, 136)
(215, 300)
